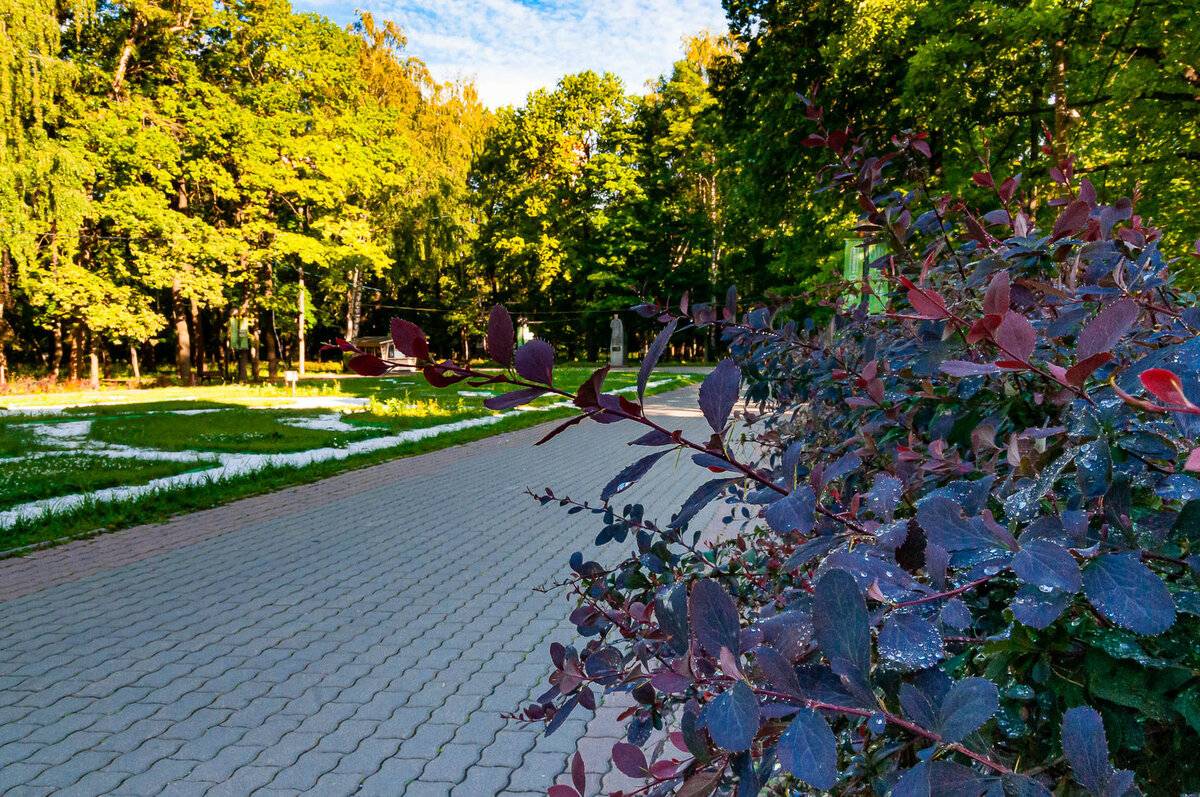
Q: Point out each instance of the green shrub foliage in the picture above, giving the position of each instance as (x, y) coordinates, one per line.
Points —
(958, 558)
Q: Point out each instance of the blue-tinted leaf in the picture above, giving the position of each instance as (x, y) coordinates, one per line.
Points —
(652, 354)
(703, 495)
(969, 703)
(942, 779)
(967, 368)
(943, 521)
(1015, 785)
(787, 632)
(718, 394)
(732, 718)
(911, 642)
(1127, 592)
(1086, 748)
(631, 474)
(1036, 608)
(1093, 464)
(535, 361)
(670, 609)
(808, 750)
(791, 461)
(843, 465)
(713, 617)
(1045, 564)
(884, 496)
(956, 614)
(840, 625)
(922, 698)
(794, 512)
(777, 670)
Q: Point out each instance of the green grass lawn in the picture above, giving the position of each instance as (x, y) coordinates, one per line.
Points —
(242, 420)
(50, 475)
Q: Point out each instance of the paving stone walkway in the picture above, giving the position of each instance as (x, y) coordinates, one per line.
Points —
(360, 635)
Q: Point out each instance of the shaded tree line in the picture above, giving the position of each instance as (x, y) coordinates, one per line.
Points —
(172, 171)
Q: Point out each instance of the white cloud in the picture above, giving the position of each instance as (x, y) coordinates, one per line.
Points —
(511, 47)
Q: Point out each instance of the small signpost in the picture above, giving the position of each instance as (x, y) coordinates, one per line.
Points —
(290, 378)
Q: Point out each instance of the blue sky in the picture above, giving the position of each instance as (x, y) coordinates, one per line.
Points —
(511, 47)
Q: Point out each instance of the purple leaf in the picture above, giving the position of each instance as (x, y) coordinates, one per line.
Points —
(941, 779)
(557, 430)
(808, 750)
(1073, 219)
(840, 625)
(500, 336)
(1130, 594)
(409, 339)
(652, 354)
(794, 512)
(777, 670)
(367, 365)
(515, 398)
(1103, 331)
(535, 362)
(713, 617)
(653, 438)
(1015, 334)
(884, 496)
(630, 760)
(911, 641)
(1045, 564)
(631, 474)
(718, 394)
(1086, 748)
(969, 703)
(731, 298)
(967, 368)
(561, 790)
(732, 718)
(922, 699)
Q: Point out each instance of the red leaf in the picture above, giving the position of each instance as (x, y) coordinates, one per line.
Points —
(1015, 336)
(996, 300)
(983, 179)
(367, 365)
(1077, 374)
(500, 336)
(813, 141)
(1072, 220)
(922, 147)
(409, 339)
(984, 328)
(1166, 386)
(1008, 188)
(927, 303)
(1193, 460)
(440, 376)
(561, 791)
(1012, 365)
(577, 773)
(664, 769)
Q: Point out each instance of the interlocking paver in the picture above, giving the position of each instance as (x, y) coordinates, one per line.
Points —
(361, 633)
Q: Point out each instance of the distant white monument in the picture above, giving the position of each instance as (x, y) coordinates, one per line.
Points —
(616, 345)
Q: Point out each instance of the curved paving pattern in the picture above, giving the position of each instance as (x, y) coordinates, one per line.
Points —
(361, 635)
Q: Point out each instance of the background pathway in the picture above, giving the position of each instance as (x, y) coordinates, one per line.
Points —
(359, 635)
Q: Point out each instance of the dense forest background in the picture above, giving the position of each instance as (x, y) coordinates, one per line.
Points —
(172, 168)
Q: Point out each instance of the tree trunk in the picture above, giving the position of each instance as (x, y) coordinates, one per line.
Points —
(76, 351)
(94, 360)
(105, 362)
(270, 339)
(57, 358)
(133, 361)
(354, 305)
(198, 358)
(300, 324)
(183, 341)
